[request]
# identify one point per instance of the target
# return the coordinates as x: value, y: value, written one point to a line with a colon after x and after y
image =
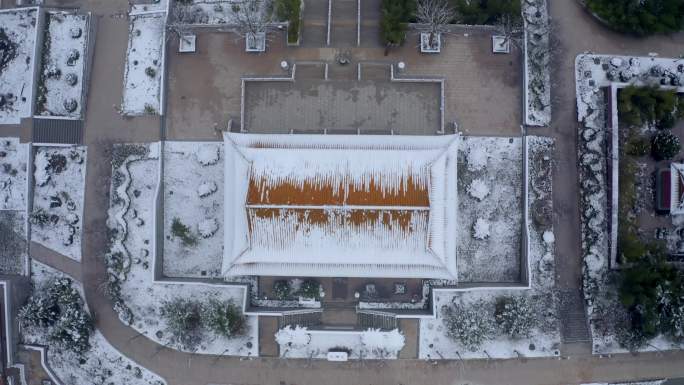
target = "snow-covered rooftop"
x: 677, y: 188
x: 311, y: 205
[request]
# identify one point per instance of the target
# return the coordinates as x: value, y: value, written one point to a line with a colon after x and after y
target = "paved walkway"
x: 56, y: 260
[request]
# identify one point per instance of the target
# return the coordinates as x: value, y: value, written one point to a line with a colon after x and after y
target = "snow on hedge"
x: 537, y: 63
x: 18, y: 37
x: 137, y: 297
x: 484, y: 334
x: 57, y: 215
x: 191, y: 170
x: 299, y: 342
x: 13, y: 161
x: 144, y: 64
x: 490, y: 189
x: 102, y: 363
x: 60, y: 89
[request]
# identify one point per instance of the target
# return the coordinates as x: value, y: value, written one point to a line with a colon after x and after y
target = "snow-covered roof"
x: 326, y: 205
x: 676, y: 188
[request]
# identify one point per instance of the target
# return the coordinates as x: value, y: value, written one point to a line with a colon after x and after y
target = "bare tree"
x: 511, y: 28
x: 178, y: 20
x: 251, y: 18
x: 435, y: 16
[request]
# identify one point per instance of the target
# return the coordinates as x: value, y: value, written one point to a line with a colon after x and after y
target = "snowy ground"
x: 298, y: 342
x: 185, y: 178
x: 132, y: 209
x: 64, y: 56
x: 16, y: 78
x: 144, y: 64
x: 545, y: 337
x: 489, y: 190
x: 210, y: 11
x: 103, y: 363
x: 13, y: 162
x: 592, y: 74
x: 58, y: 199
x: 13, y: 247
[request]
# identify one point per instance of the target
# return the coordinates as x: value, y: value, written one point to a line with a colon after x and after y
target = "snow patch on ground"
x: 66, y: 35
x: 102, y: 364
x: 144, y: 64
x: 135, y: 199
x: 183, y: 172
x: 495, y: 163
x: 298, y: 342
x: 13, y: 162
x: 16, y: 79
x: 58, y: 192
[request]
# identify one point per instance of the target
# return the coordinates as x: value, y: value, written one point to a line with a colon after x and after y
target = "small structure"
x: 501, y: 44
x: 255, y: 42
x: 188, y: 43
x: 428, y: 46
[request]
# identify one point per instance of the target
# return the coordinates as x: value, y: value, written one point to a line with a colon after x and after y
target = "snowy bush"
x: 58, y: 309
x: 515, y: 316
x: 205, y: 189
x: 207, y: 228
x: 471, y: 324
x: 310, y: 289
x: 478, y: 189
x: 295, y: 337
x: 383, y: 343
x: 665, y: 145
x: 181, y: 231
x: 481, y: 229
x: 281, y: 289
x: 223, y: 318
x: 183, y: 322
x: 207, y: 155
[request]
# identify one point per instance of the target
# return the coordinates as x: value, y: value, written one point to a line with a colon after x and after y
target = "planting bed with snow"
x: 13, y: 246
x: 193, y: 197
x: 60, y: 88
x: 209, y: 11
x: 489, y: 209
x: 13, y: 168
x: 540, y: 304
x: 537, y: 62
x: 59, y: 186
x: 102, y: 363
x: 17, y: 48
x: 298, y: 342
x: 593, y: 73
x: 144, y: 64
x: 137, y: 297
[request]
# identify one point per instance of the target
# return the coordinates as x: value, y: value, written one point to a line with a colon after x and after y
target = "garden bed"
x: 13, y: 169
x: 60, y: 88
x: 13, y: 245
x: 490, y: 209
x: 102, y: 363
x: 298, y: 342
x: 193, y: 209
x: 59, y: 184
x: 137, y: 296
x: 18, y: 34
x: 537, y: 63
x: 209, y: 12
x: 543, y: 337
x: 144, y: 64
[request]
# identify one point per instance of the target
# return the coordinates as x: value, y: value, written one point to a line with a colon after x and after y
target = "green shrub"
x: 281, y: 289
x: 179, y: 230
x: 665, y: 145
x: 515, y: 316
x: 289, y: 10
x: 640, y: 17
x: 638, y: 145
x: 395, y: 16
x: 469, y: 324
x: 310, y: 289
x: 639, y: 106
x: 183, y: 321
x: 223, y: 318
x: 479, y: 12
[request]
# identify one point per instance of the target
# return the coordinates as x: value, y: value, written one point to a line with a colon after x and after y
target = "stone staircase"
x: 301, y: 318
x: 573, y: 318
x: 376, y: 320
